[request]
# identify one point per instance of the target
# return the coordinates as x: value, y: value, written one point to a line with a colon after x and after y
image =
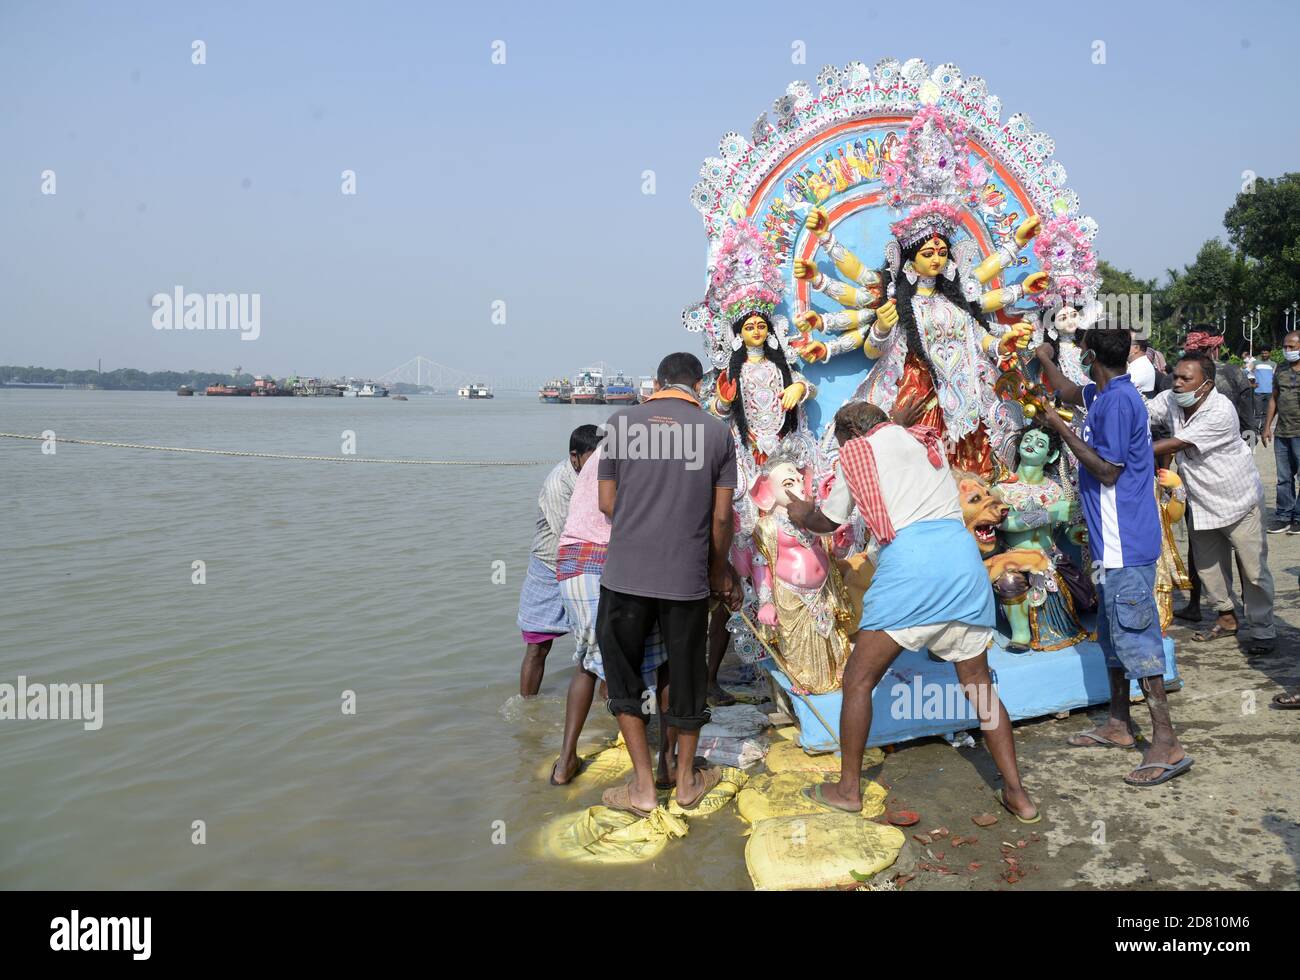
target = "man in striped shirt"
x: 1227, y: 497
x: 1117, y: 490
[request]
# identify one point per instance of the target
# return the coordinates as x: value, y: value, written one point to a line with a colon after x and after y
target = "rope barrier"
x: 240, y: 452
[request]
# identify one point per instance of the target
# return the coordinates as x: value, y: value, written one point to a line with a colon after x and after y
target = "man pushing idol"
x: 930, y: 589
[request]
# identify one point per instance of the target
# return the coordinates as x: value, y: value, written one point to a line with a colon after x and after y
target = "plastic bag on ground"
x: 739, y: 752
x: 715, y: 799
x: 821, y: 851
x: 767, y: 796
x: 601, y: 835
x: 734, y: 721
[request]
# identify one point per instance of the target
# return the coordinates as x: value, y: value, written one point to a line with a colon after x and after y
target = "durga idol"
x: 930, y: 340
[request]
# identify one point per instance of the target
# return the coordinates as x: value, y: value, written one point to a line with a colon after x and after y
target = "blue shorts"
x: 1128, y: 622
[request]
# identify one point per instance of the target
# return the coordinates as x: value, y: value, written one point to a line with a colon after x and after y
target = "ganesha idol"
x: 804, y: 607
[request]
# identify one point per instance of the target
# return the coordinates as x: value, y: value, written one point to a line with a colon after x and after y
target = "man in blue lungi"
x: 930, y: 589
x: 541, y: 611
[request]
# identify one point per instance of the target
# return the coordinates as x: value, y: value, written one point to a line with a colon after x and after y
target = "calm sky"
x: 522, y: 183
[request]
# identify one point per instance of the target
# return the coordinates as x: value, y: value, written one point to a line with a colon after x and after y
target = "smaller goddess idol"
x: 757, y: 392
x: 804, y: 606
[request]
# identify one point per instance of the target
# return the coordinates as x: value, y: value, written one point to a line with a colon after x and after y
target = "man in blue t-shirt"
x: 1117, y: 489
x: 1262, y: 371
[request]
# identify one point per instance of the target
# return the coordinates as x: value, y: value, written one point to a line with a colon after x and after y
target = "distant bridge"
x: 422, y: 371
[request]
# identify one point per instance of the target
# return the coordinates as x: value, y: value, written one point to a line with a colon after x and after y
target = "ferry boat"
x: 549, y: 393
x: 647, y: 387
x: 477, y: 390
x: 185, y: 391
x: 589, y: 389
x: 225, y: 389
x: 620, y: 391
x: 365, y: 389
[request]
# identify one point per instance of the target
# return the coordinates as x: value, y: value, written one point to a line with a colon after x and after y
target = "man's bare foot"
x: 1167, y: 752
x: 1113, y: 732
x: 665, y: 774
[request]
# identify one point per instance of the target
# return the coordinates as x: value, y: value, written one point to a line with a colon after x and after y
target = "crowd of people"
x: 632, y: 554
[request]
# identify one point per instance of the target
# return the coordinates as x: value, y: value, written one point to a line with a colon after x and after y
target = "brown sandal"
x: 1215, y: 632
x: 620, y: 798
x: 711, y: 777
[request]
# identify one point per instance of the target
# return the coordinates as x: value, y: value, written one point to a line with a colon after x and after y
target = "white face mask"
x: 1291, y: 355
x: 1186, y: 399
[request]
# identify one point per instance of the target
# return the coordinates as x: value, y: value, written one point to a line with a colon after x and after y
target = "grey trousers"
x: 1213, y: 549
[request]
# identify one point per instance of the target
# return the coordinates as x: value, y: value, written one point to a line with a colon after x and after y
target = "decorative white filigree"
x: 856, y: 92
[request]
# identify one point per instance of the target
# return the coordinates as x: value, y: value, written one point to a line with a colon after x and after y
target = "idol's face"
x: 787, y: 483
x: 1035, y: 448
x: 932, y: 258
x: 754, y: 331
x: 1066, y: 320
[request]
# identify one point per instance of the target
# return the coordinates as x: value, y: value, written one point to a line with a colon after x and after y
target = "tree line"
x: 122, y: 379
x: 1258, y: 266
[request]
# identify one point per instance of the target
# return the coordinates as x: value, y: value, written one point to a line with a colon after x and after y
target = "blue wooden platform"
x: 919, y: 697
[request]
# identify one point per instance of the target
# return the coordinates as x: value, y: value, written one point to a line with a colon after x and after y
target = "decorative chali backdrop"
x: 828, y: 148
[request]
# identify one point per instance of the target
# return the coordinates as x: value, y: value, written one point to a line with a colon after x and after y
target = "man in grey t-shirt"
x: 667, y: 474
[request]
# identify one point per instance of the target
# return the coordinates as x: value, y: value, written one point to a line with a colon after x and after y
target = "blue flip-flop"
x: 1100, y: 741
x: 1170, y: 771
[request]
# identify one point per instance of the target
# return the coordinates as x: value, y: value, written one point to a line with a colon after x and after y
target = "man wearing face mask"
x: 1284, y: 410
x: 1116, y: 484
x: 1225, y: 492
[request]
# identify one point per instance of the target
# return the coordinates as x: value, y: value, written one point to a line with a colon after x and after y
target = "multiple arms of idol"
x: 863, y: 321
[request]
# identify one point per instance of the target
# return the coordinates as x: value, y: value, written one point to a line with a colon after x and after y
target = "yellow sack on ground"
x: 602, y: 763
x: 715, y: 799
x: 789, y: 757
x: 601, y: 835
x: 820, y: 851
x: 781, y: 795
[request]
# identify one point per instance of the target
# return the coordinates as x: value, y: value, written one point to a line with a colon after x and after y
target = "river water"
x: 223, y: 700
